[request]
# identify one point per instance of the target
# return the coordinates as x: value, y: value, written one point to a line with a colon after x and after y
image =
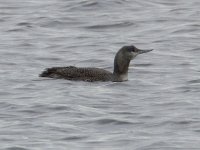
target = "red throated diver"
x: 120, y: 73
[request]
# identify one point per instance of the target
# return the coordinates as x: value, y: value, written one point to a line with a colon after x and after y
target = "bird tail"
x: 47, y: 72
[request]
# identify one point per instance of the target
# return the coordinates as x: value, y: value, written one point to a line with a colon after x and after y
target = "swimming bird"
x: 120, y: 73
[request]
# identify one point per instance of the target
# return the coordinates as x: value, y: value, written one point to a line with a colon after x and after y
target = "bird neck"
x: 121, y: 68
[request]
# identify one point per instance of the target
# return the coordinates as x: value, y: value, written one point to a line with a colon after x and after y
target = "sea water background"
x: 157, y: 109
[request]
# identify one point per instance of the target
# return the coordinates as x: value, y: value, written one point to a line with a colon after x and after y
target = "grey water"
x: 158, y: 108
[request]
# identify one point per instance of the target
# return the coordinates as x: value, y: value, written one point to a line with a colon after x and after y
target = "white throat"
x: 124, y: 77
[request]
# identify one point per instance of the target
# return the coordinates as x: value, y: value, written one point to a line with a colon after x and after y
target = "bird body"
x: 77, y: 73
x: 120, y: 73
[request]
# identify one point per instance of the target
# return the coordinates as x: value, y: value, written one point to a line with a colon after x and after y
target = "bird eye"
x: 133, y: 49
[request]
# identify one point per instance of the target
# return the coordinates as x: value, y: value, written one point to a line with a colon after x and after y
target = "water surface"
x: 158, y: 108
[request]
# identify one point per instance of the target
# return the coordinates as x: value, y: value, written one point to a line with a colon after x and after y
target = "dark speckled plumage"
x: 74, y: 73
x: 120, y: 73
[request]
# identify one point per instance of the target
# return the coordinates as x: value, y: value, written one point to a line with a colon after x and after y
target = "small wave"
x: 73, y: 138
x: 96, y: 4
x: 178, y: 9
x: 58, y: 108
x: 92, y: 61
x: 54, y: 23
x: 89, y: 3
x: 166, y: 3
x: 15, y: 30
x: 183, y: 122
x: 179, y: 122
x: 2, y: 20
x: 24, y: 24
x: 194, y: 81
x: 143, y: 65
x: 5, y: 104
x: 27, y: 111
x: 114, y: 25
x: 9, y: 63
x: 113, y: 121
x: 20, y: 27
x: 48, y: 58
x: 184, y: 30
x: 198, y: 130
x: 195, y: 49
x: 16, y: 148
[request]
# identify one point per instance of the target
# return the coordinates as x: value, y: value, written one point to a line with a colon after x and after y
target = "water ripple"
x: 112, y: 121
x: 111, y: 26
x: 16, y: 148
x: 157, y: 108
